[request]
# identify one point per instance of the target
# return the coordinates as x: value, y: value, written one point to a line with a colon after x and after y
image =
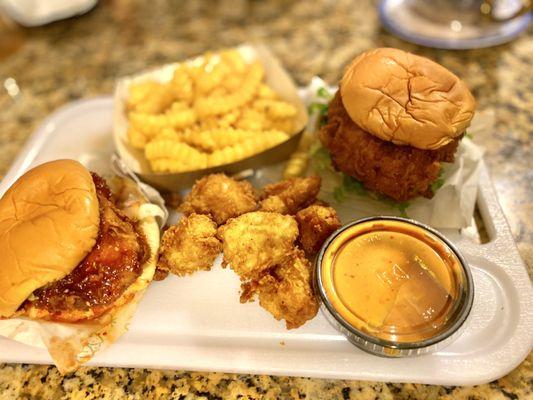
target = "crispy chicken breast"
x: 400, y: 172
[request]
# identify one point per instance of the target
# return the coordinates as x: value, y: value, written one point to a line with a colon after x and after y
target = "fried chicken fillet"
x: 291, y: 195
x: 189, y: 246
x: 221, y: 197
x: 94, y: 286
x: 286, y: 291
x: 257, y: 241
x: 400, y: 172
x: 315, y: 224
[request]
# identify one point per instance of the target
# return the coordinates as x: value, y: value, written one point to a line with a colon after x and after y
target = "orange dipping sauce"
x: 392, y: 280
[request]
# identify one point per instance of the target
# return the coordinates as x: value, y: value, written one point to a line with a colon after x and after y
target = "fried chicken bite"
x: 189, y: 246
x: 160, y: 274
x: 257, y: 241
x: 291, y: 195
x: 400, y: 172
x: 221, y: 197
x: 315, y: 224
x: 286, y: 291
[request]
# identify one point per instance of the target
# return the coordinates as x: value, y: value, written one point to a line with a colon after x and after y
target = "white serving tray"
x: 197, y: 322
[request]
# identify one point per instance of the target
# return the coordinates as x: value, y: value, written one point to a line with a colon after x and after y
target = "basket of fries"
x: 226, y: 111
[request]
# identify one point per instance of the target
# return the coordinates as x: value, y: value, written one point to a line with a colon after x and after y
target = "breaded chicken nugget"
x: 160, y: 274
x: 315, y: 224
x: 286, y: 291
x: 291, y: 195
x: 257, y: 241
x: 189, y: 246
x: 221, y: 197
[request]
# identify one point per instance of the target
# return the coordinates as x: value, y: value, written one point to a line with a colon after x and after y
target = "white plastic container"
x: 197, y: 322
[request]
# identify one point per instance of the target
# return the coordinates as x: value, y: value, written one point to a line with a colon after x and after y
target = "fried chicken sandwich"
x: 395, y: 118
x: 72, y: 250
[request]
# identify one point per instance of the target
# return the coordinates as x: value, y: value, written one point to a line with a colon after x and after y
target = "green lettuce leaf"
x: 437, y: 183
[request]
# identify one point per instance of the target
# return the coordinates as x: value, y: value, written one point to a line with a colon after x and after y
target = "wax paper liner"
x: 71, y: 345
x: 454, y: 201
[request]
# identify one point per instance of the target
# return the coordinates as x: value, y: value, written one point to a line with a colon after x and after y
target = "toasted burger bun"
x: 406, y: 99
x: 49, y: 222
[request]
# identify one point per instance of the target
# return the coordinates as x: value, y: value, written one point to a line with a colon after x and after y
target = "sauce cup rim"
x: 459, y: 318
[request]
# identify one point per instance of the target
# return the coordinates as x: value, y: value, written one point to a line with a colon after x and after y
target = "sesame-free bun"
x: 406, y: 99
x: 49, y: 222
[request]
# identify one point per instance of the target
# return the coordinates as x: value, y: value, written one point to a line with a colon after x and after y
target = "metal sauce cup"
x: 434, y: 329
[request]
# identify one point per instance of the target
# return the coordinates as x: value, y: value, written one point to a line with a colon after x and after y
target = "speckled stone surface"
x: 81, y: 57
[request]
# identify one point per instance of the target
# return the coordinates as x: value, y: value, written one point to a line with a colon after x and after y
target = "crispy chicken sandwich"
x: 72, y: 251
x: 395, y: 118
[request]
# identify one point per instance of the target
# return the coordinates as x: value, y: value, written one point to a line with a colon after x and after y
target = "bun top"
x: 406, y: 99
x: 49, y: 222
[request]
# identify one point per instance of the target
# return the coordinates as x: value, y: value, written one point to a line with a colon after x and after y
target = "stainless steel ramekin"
x: 386, y: 348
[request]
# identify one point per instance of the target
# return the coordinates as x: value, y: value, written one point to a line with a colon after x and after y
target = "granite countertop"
x: 43, y: 68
